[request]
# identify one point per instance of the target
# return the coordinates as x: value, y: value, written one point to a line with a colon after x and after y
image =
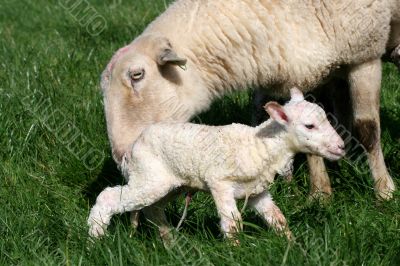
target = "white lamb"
x: 232, y: 162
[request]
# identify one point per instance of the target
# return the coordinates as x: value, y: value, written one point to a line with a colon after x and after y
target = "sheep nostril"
x: 341, y: 146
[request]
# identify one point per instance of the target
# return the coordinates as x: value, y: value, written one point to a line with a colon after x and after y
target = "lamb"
x: 232, y: 162
x: 225, y: 45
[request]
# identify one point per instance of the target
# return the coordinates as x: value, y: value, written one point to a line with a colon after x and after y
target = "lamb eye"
x: 310, y: 126
x: 137, y: 75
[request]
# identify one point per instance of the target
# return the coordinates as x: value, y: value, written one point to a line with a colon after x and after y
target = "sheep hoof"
x: 320, y: 196
x: 384, y: 190
x: 388, y: 195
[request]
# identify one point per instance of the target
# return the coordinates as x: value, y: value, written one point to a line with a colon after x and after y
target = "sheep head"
x: 141, y: 86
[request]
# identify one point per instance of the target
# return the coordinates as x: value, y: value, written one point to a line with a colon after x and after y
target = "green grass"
x: 46, y: 190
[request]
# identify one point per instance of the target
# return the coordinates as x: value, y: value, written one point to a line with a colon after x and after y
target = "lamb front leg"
x: 231, y: 219
x: 109, y: 202
x: 271, y: 214
x: 365, y: 85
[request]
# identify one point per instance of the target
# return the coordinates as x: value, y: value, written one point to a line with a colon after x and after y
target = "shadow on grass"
x: 108, y: 177
x: 227, y: 110
x: 390, y: 121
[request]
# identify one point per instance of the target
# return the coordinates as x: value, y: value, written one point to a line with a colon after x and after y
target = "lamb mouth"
x: 336, y: 155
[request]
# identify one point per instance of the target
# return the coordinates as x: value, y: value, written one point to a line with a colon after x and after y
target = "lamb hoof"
x: 288, y: 178
x: 232, y: 241
x: 235, y: 242
x: 168, y: 238
x: 132, y: 232
x: 289, y: 235
x: 96, y: 230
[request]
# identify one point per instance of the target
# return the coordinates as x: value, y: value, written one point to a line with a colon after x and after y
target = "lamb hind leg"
x: 365, y: 85
x: 156, y: 215
x: 134, y: 218
x: 122, y: 199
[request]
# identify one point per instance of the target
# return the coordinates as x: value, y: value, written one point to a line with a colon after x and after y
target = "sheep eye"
x: 137, y: 75
x: 310, y: 126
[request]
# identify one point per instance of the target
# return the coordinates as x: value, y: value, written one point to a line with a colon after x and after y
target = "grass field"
x: 51, y: 113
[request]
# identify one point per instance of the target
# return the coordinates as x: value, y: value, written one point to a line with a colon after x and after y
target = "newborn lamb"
x: 232, y: 162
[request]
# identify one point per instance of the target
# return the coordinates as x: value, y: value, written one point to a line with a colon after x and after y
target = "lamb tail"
x: 188, y: 198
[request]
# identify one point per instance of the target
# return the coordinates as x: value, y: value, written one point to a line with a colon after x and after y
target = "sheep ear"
x: 277, y: 113
x: 296, y: 95
x: 168, y: 56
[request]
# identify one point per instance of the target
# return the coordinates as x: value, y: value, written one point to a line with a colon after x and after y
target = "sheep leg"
x: 120, y: 199
x: 365, y: 84
x: 320, y: 184
x: 335, y: 97
x: 272, y: 215
x: 230, y: 218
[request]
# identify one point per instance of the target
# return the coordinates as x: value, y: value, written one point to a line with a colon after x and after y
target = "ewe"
x: 237, y: 44
x: 232, y: 162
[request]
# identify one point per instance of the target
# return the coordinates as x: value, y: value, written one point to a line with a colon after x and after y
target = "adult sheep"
x: 225, y: 45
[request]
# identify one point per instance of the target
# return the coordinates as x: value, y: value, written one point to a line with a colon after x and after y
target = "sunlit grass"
x: 46, y: 190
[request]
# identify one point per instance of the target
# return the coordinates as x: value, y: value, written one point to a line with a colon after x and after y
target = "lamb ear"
x: 168, y: 56
x: 296, y: 95
x: 277, y: 113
